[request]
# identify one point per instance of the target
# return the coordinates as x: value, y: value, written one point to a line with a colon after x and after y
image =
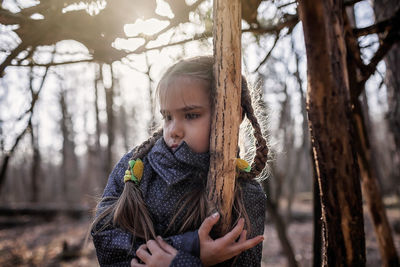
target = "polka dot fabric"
x: 167, y: 177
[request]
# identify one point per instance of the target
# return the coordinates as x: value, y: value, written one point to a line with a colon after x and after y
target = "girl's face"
x: 185, y: 107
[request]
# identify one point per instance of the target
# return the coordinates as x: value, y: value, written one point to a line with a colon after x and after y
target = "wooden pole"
x: 226, y: 115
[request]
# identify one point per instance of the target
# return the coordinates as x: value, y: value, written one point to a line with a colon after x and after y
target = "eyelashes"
x: 192, y: 116
x: 188, y: 116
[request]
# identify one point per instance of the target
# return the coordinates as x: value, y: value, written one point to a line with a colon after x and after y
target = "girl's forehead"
x: 184, y: 91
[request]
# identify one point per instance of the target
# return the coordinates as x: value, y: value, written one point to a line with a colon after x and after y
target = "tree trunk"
x: 110, y: 121
x: 225, y: 123
x: 317, y: 224
x: 370, y: 185
x: 70, y: 162
x: 372, y: 193
x: 152, y: 123
x: 35, y: 167
x: 384, y: 9
x: 331, y: 132
x: 98, y: 84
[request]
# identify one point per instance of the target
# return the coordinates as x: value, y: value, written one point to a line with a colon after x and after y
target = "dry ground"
x: 52, y: 243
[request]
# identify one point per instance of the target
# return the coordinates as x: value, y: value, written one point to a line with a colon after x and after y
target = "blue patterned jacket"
x: 167, y: 176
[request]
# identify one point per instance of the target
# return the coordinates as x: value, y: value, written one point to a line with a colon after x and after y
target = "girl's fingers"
x: 248, y: 244
x: 165, y: 246
x: 135, y: 263
x: 142, y: 253
x: 208, y: 224
x: 153, y: 247
x: 235, y: 233
x: 243, y: 236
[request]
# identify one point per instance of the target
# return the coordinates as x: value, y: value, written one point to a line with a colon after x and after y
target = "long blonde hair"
x: 129, y: 211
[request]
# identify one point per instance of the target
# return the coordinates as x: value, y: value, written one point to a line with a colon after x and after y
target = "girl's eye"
x: 191, y: 116
x: 167, y: 117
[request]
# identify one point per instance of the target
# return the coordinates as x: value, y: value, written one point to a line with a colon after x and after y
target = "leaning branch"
x: 391, y: 38
x: 10, y: 57
x: 52, y: 63
x: 289, y: 22
x: 269, y: 53
x: 379, y: 27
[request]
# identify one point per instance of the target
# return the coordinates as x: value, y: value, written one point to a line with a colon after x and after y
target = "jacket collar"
x: 174, y: 166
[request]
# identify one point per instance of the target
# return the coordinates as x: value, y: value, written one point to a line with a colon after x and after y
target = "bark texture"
x: 369, y: 178
x: 331, y: 132
x: 225, y: 122
x: 385, y: 9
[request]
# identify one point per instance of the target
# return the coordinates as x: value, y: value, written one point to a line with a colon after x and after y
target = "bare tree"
x: 384, y: 10
x: 69, y: 162
x: 330, y: 121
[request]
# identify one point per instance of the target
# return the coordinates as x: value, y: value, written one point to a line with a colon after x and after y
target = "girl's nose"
x: 176, y: 130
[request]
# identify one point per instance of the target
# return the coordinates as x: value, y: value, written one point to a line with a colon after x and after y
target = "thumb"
x: 208, y: 224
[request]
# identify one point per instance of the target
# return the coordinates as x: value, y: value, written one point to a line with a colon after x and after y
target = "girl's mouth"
x: 174, y: 146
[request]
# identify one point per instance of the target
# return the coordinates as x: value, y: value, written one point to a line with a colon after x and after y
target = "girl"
x: 164, y: 189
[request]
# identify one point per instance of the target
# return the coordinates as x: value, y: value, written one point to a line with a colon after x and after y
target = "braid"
x: 130, y: 211
x: 261, y: 154
x: 146, y: 146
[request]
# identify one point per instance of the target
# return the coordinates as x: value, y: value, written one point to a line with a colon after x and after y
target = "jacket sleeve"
x: 188, y: 242
x: 255, y: 203
x: 183, y: 259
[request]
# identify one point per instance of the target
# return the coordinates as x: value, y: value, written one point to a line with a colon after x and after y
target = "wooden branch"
x: 364, y: 71
x: 391, y: 38
x: 53, y: 63
x: 269, y: 53
x: 86, y: 29
x: 10, y: 57
x: 351, y: 2
x: 379, y: 27
x: 289, y: 22
x: 287, y: 4
x: 225, y: 123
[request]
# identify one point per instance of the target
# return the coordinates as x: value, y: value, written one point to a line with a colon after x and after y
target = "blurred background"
x: 77, y: 81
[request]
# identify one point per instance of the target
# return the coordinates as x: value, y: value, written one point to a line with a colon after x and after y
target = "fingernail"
x: 215, y: 215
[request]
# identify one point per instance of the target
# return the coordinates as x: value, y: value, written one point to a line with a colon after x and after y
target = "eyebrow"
x: 185, y: 109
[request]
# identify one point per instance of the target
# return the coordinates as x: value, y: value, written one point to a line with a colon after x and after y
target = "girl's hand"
x: 226, y: 247
x: 155, y: 253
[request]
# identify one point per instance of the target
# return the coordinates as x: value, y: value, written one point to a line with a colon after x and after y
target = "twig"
x: 290, y: 22
x: 10, y: 57
x: 287, y: 4
x: 351, y: 2
x: 379, y: 27
x: 269, y: 53
x: 52, y: 63
x: 391, y: 38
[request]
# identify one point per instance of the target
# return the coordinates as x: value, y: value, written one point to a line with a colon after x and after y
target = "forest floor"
x: 54, y: 243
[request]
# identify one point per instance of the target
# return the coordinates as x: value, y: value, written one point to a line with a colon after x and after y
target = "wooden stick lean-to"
x: 226, y: 116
